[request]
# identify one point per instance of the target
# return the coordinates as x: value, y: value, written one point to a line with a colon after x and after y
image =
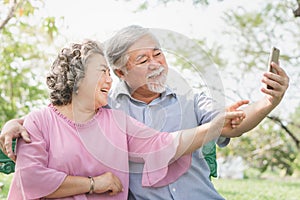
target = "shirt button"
x: 174, y: 189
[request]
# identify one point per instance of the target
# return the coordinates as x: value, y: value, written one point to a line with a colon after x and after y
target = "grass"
x: 245, y: 189
x: 5, y: 179
x: 258, y: 189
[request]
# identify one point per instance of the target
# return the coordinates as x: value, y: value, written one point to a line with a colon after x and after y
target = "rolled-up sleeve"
x: 206, y: 110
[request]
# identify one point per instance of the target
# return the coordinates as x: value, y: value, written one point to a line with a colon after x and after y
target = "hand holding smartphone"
x: 274, y: 57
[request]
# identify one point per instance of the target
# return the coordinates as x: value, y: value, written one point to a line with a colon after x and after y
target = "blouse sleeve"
x: 32, y: 175
x: 157, y: 150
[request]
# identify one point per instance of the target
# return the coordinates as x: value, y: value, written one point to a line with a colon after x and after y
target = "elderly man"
x: 137, y: 59
x: 135, y: 56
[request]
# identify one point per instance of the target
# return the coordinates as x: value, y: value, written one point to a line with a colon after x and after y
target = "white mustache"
x: 156, y: 72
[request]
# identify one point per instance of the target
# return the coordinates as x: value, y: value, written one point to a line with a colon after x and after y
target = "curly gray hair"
x: 117, y: 46
x: 68, y: 69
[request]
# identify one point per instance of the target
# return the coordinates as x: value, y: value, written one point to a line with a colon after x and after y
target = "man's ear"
x: 119, y: 73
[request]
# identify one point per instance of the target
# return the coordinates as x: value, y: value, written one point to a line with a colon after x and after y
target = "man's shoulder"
x: 119, y: 89
x: 200, y: 95
x: 192, y: 96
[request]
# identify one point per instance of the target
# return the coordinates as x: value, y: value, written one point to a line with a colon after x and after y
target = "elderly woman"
x: 80, y: 150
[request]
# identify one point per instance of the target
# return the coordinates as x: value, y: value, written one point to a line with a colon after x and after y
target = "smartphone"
x: 274, y: 57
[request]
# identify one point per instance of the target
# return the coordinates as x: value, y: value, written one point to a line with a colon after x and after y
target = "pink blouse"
x: 106, y: 143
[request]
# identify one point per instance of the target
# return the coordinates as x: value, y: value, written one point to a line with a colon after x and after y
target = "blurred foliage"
x: 268, y: 147
x: 254, y: 32
x: 146, y: 4
x: 275, y: 143
x: 22, y: 57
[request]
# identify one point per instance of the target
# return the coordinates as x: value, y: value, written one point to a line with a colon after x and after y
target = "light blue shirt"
x: 171, y: 112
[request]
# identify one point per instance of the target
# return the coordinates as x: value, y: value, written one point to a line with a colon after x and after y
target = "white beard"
x: 157, y: 86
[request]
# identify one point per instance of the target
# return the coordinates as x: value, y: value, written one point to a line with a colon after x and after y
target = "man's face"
x: 146, y: 67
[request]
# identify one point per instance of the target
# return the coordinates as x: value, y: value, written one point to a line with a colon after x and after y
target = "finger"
x: 8, y: 146
x: 233, y: 126
x: 238, y: 104
x: 12, y: 157
x: 275, y: 66
x: 234, y: 114
x: 278, y: 69
x: 2, y: 143
x: 272, y: 92
x: 25, y: 136
x: 3, y: 148
x: 283, y: 76
x: 116, y: 186
x: 280, y: 77
x: 114, y: 190
x: 272, y: 80
x: 119, y: 185
x: 10, y: 153
x: 237, y: 121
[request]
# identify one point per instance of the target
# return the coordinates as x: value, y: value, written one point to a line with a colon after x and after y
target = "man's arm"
x: 257, y: 111
x: 224, y: 123
x: 11, y: 130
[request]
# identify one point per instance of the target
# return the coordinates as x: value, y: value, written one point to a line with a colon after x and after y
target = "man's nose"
x: 153, y: 65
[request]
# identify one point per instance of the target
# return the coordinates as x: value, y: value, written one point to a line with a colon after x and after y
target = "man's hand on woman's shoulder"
x: 11, y: 130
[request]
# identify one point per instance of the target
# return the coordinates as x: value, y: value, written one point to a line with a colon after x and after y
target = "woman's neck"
x: 76, y: 112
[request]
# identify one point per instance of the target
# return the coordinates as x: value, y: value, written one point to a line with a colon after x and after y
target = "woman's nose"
x: 108, y: 77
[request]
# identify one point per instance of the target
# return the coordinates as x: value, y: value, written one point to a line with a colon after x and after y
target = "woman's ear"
x: 119, y: 73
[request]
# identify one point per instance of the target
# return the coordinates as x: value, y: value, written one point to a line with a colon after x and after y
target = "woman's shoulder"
x: 38, y: 120
x: 39, y: 117
x: 38, y: 113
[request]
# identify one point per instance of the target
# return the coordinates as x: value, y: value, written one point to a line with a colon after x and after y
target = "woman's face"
x: 97, y: 81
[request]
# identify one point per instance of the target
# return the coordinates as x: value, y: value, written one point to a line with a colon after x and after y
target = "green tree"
x: 275, y: 143
x: 146, y: 4
x: 23, y: 39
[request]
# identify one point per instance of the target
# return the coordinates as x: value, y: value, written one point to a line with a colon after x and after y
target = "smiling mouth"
x: 156, y: 73
x: 104, y: 90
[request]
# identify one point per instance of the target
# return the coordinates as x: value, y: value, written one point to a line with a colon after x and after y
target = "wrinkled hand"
x: 279, y: 82
x: 11, y: 130
x: 231, y: 120
x: 108, y: 182
x: 227, y: 121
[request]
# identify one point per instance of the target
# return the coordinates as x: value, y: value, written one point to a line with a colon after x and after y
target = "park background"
x: 236, y: 36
